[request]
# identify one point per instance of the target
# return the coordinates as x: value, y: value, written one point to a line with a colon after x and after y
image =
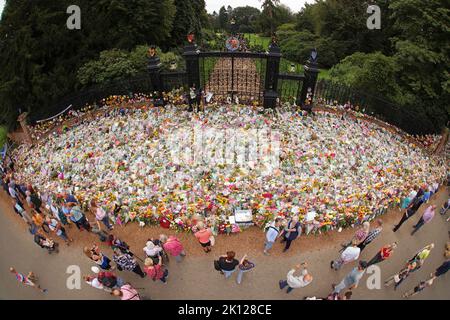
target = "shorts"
x: 204, y: 245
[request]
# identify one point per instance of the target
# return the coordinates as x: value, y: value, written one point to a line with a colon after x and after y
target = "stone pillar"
x: 309, y: 84
x: 22, y: 119
x: 272, y: 73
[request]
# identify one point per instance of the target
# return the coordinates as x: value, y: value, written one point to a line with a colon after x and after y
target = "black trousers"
x: 408, y: 214
x: 288, y: 242
x: 376, y: 259
x: 139, y: 271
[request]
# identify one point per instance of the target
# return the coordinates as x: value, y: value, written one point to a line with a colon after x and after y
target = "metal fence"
x: 378, y: 107
x: 289, y: 87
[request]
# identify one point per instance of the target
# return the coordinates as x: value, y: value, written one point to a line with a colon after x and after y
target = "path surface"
x: 195, y: 277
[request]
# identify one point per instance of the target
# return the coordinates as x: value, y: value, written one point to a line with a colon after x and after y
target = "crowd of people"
x: 334, y: 172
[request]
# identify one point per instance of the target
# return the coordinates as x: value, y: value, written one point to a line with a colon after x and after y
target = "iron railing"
x: 376, y: 106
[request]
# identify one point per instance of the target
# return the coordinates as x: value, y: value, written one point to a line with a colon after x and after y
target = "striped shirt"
x: 372, y: 235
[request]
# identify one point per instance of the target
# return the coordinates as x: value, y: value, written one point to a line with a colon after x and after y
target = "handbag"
x: 212, y: 240
x: 217, y: 266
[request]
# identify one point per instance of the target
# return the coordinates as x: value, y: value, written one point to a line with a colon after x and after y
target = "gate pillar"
x: 154, y: 69
x: 191, y: 55
x: 310, y: 82
x: 272, y: 73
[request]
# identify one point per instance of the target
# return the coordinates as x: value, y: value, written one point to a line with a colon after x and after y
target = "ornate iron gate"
x: 233, y: 75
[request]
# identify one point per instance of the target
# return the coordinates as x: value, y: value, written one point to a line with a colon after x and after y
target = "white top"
x: 151, y: 250
x: 350, y: 254
x: 95, y: 283
x: 297, y: 282
x: 272, y: 233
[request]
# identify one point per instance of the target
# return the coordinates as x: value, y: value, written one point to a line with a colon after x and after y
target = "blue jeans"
x: 228, y: 273
x: 240, y: 274
x: 105, y: 221
x: 418, y: 226
x: 284, y: 284
x: 268, y: 245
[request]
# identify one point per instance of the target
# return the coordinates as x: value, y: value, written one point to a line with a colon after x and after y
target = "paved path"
x: 195, y: 277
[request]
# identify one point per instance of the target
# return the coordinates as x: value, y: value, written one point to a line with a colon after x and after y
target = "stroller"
x: 46, y: 243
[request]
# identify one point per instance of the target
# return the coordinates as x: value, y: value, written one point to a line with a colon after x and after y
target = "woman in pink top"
x: 126, y: 292
x: 172, y: 246
x: 204, y: 236
x: 100, y: 215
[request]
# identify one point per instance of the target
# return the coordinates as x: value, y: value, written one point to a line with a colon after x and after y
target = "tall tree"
x: 268, y: 7
x: 223, y: 18
x: 423, y: 54
x: 39, y: 56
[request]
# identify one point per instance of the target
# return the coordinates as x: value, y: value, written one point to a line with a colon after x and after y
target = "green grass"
x: 256, y: 39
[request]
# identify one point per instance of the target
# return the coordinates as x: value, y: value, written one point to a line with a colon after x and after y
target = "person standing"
x: 21, y: 211
x: 422, y: 285
x: 228, y: 264
x: 422, y: 255
x: 427, y: 216
x: 384, y: 254
x: 291, y: 232
x: 349, y: 255
x: 39, y: 221
x: 110, y: 280
x: 360, y: 235
x: 172, y: 246
x: 29, y: 280
x: 156, y: 271
x: 78, y: 217
x: 100, y: 215
x: 203, y: 236
x: 55, y: 226
x: 271, y: 235
x: 152, y: 251
x: 293, y: 282
x: 126, y: 262
x: 443, y: 268
x: 372, y: 235
x: 411, y: 209
x: 399, y: 277
x: 244, y: 266
x: 352, y: 279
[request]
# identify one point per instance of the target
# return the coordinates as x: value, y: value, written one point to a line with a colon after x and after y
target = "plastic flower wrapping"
x: 169, y: 167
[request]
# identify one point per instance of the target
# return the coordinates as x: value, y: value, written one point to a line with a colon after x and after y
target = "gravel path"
x: 195, y: 277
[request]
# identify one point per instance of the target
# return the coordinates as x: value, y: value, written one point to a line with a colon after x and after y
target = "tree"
x: 190, y: 17
x: 245, y: 18
x: 39, y: 56
x: 223, y: 18
x: 422, y: 53
x: 268, y: 7
x: 120, y: 64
